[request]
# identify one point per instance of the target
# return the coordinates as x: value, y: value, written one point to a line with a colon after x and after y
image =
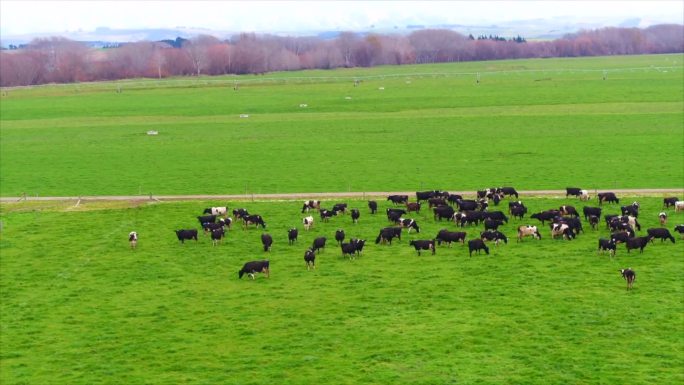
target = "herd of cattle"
x: 564, y: 222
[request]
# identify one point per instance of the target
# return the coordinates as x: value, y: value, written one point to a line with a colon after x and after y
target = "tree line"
x: 60, y: 60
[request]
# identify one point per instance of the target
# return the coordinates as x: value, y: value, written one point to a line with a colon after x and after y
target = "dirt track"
x: 294, y: 196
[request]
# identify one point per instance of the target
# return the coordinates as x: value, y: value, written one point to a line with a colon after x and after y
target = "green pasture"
x: 80, y: 307
x: 533, y: 124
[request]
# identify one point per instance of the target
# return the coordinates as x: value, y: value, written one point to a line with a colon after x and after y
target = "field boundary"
x: 317, y: 195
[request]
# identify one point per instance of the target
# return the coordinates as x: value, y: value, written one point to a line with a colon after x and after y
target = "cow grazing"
x: 637, y: 243
x: 447, y: 237
x: 466, y: 205
x: 133, y: 239
x: 593, y: 221
x: 387, y: 234
x: 524, y: 231
x: 206, y: 219
x: 629, y: 275
x: 184, y: 235
x: 215, y: 210
x: 355, y: 214
x: 477, y: 244
x: 434, y: 202
x: 254, y: 267
x: 442, y: 212
x: 373, y: 206
x: 217, y: 236
x: 311, y: 204
x: 607, y: 245
x: 667, y: 202
x: 255, y: 220
x: 563, y: 230
x: 569, y: 211
x: 267, y: 241
x: 662, y: 217
x: 508, y: 191
x: 398, y: 199
x: 492, y: 224
x: 591, y: 211
x: 310, y: 259
x: 340, y: 207
x: 318, y: 244
x: 409, y: 224
x: 240, y: 213
x: 660, y: 233
x: 573, y: 191
x: 545, y: 215
x: 496, y: 215
x: 423, y: 244
x: 308, y: 222
x: 679, y: 206
x: 339, y: 236
x: 327, y: 214
x: 608, y: 197
x: 513, y: 204
x: 621, y: 236
x: 413, y: 206
x: 494, y: 235
x: 574, y: 223
x: 393, y: 215
x: 453, y: 198
x: 292, y: 236
x: 680, y: 230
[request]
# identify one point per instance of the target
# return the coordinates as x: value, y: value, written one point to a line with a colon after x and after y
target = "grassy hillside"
x: 80, y: 307
x: 532, y: 123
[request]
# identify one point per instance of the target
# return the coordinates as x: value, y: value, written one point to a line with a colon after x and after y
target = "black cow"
x: 680, y: 230
x: 608, y: 245
x: 568, y: 210
x: 240, y: 213
x: 591, y: 211
x: 482, y: 204
x: 393, y: 215
x: 255, y: 220
x: 518, y: 211
x: 660, y: 233
x: 607, y: 197
x: 629, y: 275
x: 609, y: 219
x: 442, y: 212
x: 632, y: 210
x: 318, y: 243
x: 424, y: 195
x: 355, y: 214
x: 253, y: 267
x: 398, y: 199
x: 492, y: 224
x: 267, y: 241
x: 513, y: 204
x: 434, y: 202
x: 292, y: 235
x: 471, y: 217
x: 308, y: 205
x: 496, y: 215
x: 216, y: 236
x: 340, y: 207
x: 493, y: 235
x: 573, y: 191
x: 409, y: 224
x: 637, y: 243
x: 447, y: 236
x: 507, y: 191
x: 327, y: 214
x: 477, y: 245
x: 373, y: 206
x: 423, y: 244
x: 355, y: 246
x: 206, y: 219
x: 310, y: 259
x: 339, y: 236
x: 387, y: 234
x: 545, y: 215
x: 466, y: 205
x: 413, y: 206
x: 621, y: 236
x: 593, y: 221
x: 209, y: 227
x: 359, y: 244
x: 453, y: 198
x: 667, y: 202
x: 184, y: 235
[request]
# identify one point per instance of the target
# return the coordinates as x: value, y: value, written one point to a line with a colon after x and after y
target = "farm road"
x: 325, y: 195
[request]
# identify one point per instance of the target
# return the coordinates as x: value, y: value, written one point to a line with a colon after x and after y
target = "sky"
x: 26, y: 16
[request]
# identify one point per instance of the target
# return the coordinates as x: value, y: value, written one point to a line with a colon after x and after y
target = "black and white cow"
x: 573, y: 191
x: 568, y: 210
x: 133, y: 239
x: 217, y: 236
x: 398, y: 199
x: 607, y: 197
x: 393, y: 215
x: 507, y: 191
x: 308, y: 222
x: 471, y: 217
x: 355, y: 215
x: 492, y: 224
x: 524, y: 231
x: 310, y: 259
x: 442, y: 212
x: 292, y: 235
x: 311, y: 204
x: 477, y: 244
x: 563, y: 230
x: 621, y: 236
x: 184, y: 235
x: 318, y: 244
x: 607, y: 245
x: 339, y: 236
x: 387, y: 234
x: 373, y: 206
x: 637, y: 243
x: 596, y: 211
x: 267, y: 241
x: 667, y: 202
x: 409, y: 224
x: 629, y: 275
x: 662, y: 217
x: 660, y: 233
x: 354, y: 247
x: 327, y: 214
x: 680, y: 230
x: 447, y: 236
x: 215, y: 210
x: 632, y: 209
x: 206, y: 219
x: 593, y: 221
x: 340, y: 207
x: 518, y: 211
x: 494, y: 235
x: 240, y: 213
x: 209, y: 227
x: 254, y: 267
x: 255, y: 220
x: 423, y: 244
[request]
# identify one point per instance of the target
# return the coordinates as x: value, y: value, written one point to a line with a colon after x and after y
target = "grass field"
x: 80, y: 307
x: 534, y: 124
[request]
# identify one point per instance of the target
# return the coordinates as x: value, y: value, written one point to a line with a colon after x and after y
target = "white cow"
x: 679, y: 206
x: 133, y: 239
x: 308, y: 222
x: 524, y: 231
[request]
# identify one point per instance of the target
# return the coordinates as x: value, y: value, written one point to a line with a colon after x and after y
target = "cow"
x: 621, y: 236
x: 667, y: 202
x: 398, y: 199
x: 680, y: 230
x: 387, y: 234
x: 267, y: 241
x: 607, y: 245
x: 310, y: 259
x: 255, y: 220
x: 471, y: 217
x: 477, y: 244
x: 637, y: 243
x: 545, y: 215
x: 240, y: 213
x: 492, y: 224
x: 587, y: 210
x: 660, y: 233
x: 563, y: 230
x: 354, y: 247
x: 339, y: 236
x: 632, y: 209
x: 447, y: 236
x: 424, y: 195
x: 359, y: 244
x: 607, y: 197
x: 662, y: 217
x: 507, y: 191
x: 254, y: 267
x: 308, y: 222
x: 409, y: 224
x: 466, y: 205
x: 494, y: 235
x: 327, y: 214
x: 453, y: 198
x: 215, y: 210
x: 679, y: 206
x: 340, y: 207
x: 496, y: 198
x: 482, y: 205
x: 513, y: 204
x: 497, y: 215
x: 373, y: 206
x: 217, y: 235
x: 209, y: 227
x: 318, y: 244
x: 518, y: 211
x: 574, y: 223
x: 133, y: 239
x: 393, y: 215
x: 584, y: 195
x: 206, y: 219
x: 609, y: 218
x: 355, y: 214
x: 227, y: 222
x: 569, y: 211
x: 593, y: 221
x: 573, y: 191
x: 442, y: 212
x: 629, y: 275
x: 413, y: 206
x: 292, y: 236
x: 311, y: 204
x: 434, y: 202
x: 423, y: 244
x: 524, y: 231
x: 184, y: 235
